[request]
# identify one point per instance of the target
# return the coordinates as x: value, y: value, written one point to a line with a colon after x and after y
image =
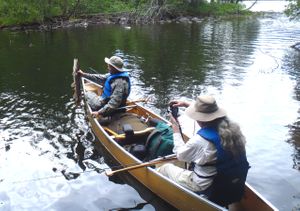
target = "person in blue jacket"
x: 216, y: 151
x: 116, y: 88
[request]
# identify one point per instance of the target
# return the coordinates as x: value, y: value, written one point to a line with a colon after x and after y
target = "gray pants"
x: 94, y: 100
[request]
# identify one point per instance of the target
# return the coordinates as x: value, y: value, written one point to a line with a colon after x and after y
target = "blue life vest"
x: 107, y: 90
x: 229, y: 183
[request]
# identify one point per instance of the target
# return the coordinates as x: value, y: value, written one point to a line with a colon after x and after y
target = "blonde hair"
x: 231, y: 136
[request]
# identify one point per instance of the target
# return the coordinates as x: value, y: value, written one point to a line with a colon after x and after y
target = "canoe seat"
x: 128, y: 128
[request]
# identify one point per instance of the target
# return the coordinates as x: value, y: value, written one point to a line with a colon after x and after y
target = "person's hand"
x: 80, y: 73
x: 96, y: 114
x: 178, y: 103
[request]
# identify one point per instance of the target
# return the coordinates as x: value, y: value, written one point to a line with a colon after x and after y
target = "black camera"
x: 174, y: 111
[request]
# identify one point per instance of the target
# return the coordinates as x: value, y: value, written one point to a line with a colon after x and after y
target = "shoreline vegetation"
x: 21, y: 15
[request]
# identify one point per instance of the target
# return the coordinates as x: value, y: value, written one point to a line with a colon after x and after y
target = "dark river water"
x: 46, y: 148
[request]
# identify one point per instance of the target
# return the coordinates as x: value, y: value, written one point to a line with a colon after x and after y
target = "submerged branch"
x: 252, y: 5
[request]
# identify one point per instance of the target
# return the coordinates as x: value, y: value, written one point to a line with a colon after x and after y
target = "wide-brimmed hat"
x: 205, y: 109
x: 116, y: 62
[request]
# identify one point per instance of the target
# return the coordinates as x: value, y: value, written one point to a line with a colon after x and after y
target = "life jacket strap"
x: 205, y: 177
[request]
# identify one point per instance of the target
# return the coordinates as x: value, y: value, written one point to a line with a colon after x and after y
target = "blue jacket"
x: 107, y: 90
x: 229, y: 183
x: 225, y: 159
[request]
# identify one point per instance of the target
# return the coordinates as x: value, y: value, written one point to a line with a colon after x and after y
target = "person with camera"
x: 116, y: 88
x: 218, y: 147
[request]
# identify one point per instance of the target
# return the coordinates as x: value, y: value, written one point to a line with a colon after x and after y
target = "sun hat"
x: 205, y: 109
x: 116, y: 62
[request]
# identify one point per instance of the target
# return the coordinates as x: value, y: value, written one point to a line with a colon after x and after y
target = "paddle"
x: 149, y: 163
x: 142, y: 100
x: 127, y: 107
x: 76, y: 83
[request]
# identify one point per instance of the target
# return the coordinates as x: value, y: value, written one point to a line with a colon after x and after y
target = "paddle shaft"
x: 149, y: 163
x: 76, y: 79
x: 143, y: 100
x: 180, y: 130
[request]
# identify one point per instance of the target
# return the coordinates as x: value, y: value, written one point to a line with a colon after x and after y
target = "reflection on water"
x: 47, y: 159
x: 295, y: 141
x: 47, y: 155
x: 292, y: 60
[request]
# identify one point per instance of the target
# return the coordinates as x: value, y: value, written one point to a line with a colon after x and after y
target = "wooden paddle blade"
x: 76, y: 81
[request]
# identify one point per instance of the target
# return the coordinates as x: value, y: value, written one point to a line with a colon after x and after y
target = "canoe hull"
x: 169, y: 191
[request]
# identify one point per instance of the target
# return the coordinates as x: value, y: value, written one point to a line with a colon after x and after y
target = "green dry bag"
x: 160, y: 141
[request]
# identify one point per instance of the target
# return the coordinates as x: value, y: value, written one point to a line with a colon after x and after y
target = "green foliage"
x: 293, y: 9
x: 104, y: 6
x: 217, y: 9
x: 19, y: 11
x: 29, y: 11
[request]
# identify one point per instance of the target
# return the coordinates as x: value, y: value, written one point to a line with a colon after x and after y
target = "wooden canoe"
x: 174, y: 194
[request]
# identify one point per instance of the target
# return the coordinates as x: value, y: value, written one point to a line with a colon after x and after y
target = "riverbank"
x: 125, y: 19
x: 53, y: 16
